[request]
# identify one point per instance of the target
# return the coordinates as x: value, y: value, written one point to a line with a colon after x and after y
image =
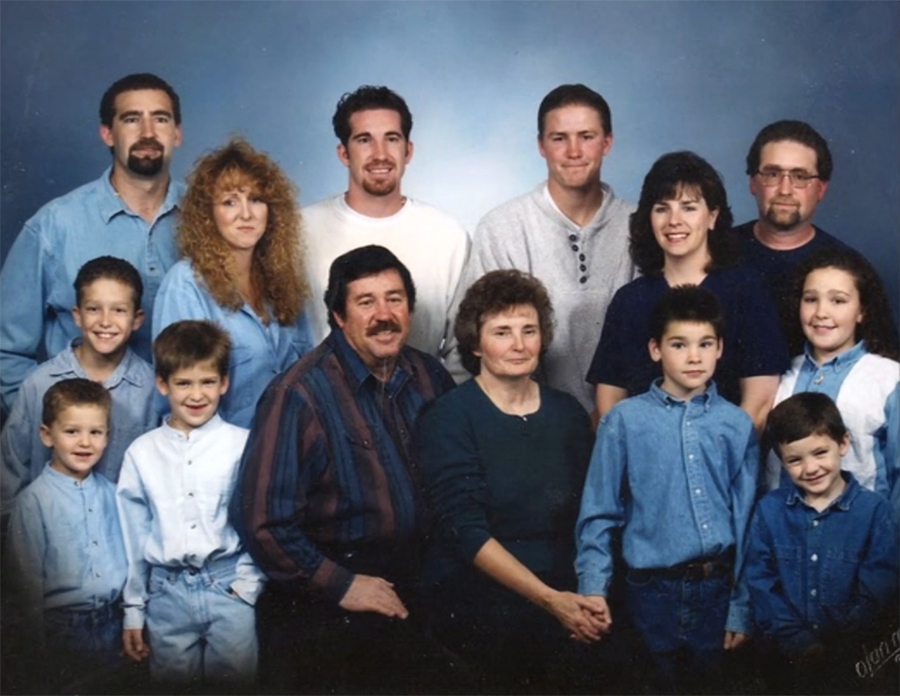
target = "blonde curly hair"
x: 277, y: 268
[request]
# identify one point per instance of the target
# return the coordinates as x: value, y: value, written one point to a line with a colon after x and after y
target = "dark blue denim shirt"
x: 813, y: 575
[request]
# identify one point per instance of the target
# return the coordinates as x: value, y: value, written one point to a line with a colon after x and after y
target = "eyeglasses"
x: 798, y: 177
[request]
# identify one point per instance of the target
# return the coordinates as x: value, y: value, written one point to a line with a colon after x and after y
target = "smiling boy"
x: 675, y: 469
x: 108, y: 294
x: 191, y: 590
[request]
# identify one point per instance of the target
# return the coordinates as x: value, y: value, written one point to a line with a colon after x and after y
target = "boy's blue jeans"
x: 85, y: 646
x: 682, y: 623
x: 199, y: 631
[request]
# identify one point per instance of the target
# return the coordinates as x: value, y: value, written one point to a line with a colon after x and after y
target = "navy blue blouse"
x: 754, y: 344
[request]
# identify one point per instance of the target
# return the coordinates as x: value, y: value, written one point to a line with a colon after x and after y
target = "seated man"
x: 329, y: 502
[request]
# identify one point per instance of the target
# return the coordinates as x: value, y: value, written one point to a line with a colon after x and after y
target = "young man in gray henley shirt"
x: 571, y: 232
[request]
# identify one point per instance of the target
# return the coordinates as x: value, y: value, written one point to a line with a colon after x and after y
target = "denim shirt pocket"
x: 789, y: 559
x: 238, y: 396
x: 839, y: 575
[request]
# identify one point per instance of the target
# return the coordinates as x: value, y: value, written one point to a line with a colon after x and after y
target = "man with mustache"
x: 329, y: 502
x: 373, y: 125
x: 128, y: 213
x: 789, y: 165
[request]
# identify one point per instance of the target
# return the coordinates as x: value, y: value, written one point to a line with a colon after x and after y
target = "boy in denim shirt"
x: 675, y: 469
x: 108, y: 294
x: 191, y: 589
x: 67, y: 561
x: 823, y: 560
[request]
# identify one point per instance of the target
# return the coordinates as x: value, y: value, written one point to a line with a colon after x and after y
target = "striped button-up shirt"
x: 330, y: 462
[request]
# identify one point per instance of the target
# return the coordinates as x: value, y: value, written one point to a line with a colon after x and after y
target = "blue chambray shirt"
x: 815, y: 574
x: 132, y: 389
x: 258, y: 351
x: 65, y: 543
x: 680, y: 478
x: 37, y: 277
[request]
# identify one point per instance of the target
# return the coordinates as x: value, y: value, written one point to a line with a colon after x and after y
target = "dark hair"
x: 131, y: 83
x: 667, y: 178
x: 109, y: 268
x: 360, y: 263
x: 76, y: 391
x: 493, y: 293
x: 686, y: 303
x: 803, y: 415
x: 190, y: 342
x: 574, y: 95
x: 876, y: 329
x: 366, y: 98
x: 795, y: 131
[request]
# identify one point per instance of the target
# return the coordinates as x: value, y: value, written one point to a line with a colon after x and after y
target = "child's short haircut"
x: 109, y: 268
x: 686, y: 303
x: 73, y: 392
x: 803, y: 415
x: 187, y: 343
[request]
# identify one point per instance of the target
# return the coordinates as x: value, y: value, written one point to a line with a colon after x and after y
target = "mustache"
x: 385, y: 325
x: 146, y: 144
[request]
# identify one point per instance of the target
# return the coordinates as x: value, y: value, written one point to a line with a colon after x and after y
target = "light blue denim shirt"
x: 37, y: 278
x: 680, y: 478
x: 23, y: 454
x: 65, y: 543
x: 259, y: 351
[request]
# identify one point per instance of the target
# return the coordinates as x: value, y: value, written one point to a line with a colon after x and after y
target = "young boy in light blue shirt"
x: 675, y: 469
x: 191, y: 589
x: 108, y: 293
x: 67, y: 560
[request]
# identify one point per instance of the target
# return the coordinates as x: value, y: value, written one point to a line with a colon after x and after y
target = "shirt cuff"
x: 738, y: 620
x: 332, y: 579
x: 134, y: 618
x: 593, y: 585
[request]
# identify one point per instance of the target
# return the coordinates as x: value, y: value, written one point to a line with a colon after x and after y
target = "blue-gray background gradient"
x: 703, y: 76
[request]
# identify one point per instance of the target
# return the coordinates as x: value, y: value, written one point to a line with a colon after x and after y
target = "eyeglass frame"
x: 791, y: 174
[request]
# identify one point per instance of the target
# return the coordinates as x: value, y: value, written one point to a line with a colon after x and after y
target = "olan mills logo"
x: 876, y: 658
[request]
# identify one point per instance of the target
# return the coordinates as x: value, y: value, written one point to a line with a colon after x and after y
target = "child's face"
x: 107, y: 317
x: 688, y: 351
x: 814, y: 464
x: 830, y: 311
x: 194, y: 394
x: 77, y: 437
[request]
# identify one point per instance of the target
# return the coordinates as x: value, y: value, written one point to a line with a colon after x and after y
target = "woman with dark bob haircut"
x: 503, y: 462
x: 240, y: 236
x: 681, y: 234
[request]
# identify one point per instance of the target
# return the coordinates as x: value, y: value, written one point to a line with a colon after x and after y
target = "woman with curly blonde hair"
x: 242, y: 267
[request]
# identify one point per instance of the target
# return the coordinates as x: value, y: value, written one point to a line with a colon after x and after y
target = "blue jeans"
x: 85, y: 646
x: 200, y: 631
x: 682, y: 623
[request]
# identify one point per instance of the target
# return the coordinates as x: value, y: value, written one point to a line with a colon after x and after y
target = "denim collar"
x: 125, y: 370
x: 839, y: 363
x: 358, y: 373
x: 666, y: 399
x: 842, y: 502
x: 111, y: 204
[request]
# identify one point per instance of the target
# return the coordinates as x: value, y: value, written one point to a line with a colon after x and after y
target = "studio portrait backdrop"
x: 704, y: 76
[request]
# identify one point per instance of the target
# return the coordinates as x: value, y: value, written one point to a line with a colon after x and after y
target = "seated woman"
x: 240, y: 234
x: 503, y: 461
x: 681, y: 234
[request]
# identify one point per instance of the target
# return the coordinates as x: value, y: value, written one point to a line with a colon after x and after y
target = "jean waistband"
x: 694, y: 569
x: 212, y: 567
x: 104, y: 612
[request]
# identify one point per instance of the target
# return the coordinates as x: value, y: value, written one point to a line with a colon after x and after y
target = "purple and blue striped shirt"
x: 330, y: 463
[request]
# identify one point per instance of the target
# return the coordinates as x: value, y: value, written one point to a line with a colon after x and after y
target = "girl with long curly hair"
x: 680, y: 234
x: 851, y: 356
x: 241, y: 242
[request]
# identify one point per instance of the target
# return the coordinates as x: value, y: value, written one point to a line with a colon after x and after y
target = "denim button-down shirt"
x: 815, y: 574
x: 65, y: 544
x: 680, y: 478
x: 259, y: 351
x: 37, y: 279
x: 132, y: 390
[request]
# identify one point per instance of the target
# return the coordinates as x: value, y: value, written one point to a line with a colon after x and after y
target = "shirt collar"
x: 60, y: 480
x: 111, y: 204
x: 358, y: 373
x: 842, y: 502
x: 667, y: 399
x: 839, y: 363
x: 209, y: 426
x: 126, y: 370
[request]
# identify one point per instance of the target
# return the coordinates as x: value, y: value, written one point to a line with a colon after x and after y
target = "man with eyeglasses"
x: 789, y: 165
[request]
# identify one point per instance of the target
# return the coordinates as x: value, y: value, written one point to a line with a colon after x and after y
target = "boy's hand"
x: 134, y: 645
x: 734, y: 640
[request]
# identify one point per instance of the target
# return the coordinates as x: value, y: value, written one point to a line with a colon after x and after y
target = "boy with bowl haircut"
x: 675, y: 469
x: 66, y: 557
x: 824, y: 555
x: 108, y: 294
x: 190, y: 584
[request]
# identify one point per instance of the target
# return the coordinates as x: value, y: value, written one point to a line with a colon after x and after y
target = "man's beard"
x: 379, y: 188
x: 780, y: 222
x: 146, y: 166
